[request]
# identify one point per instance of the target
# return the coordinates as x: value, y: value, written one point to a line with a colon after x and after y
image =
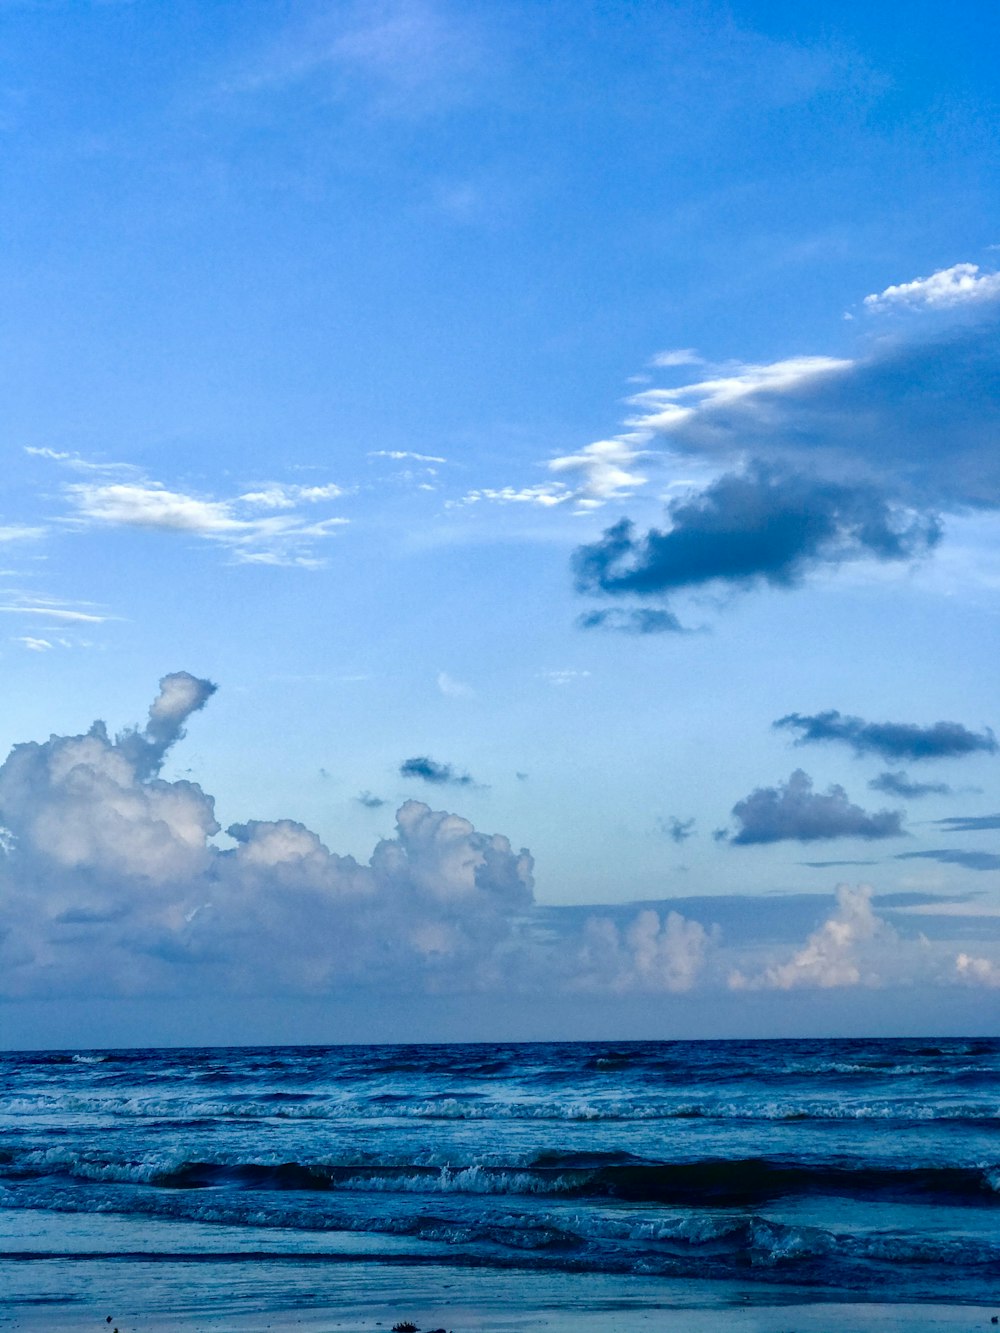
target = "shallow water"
x: 848, y: 1168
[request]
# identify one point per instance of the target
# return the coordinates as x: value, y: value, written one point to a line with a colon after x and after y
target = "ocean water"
x: 854, y: 1169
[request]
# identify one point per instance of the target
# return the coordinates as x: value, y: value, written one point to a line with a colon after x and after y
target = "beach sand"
x: 61, y: 1296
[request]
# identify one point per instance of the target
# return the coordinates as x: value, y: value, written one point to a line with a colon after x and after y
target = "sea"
x: 851, y: 1170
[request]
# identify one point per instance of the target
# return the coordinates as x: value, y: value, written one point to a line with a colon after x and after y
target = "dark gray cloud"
x: 429, y: 770
x: 899, y: 784
x: 369, y: 801
x: 678, y: 830
x: 744, y: 529
x: 918, y: 417
x: 890, y: 740
x: 823, y: 865
x: 637, y: 620
x: 951, y: 857
x: 969, y: 823
x: 794, y: 811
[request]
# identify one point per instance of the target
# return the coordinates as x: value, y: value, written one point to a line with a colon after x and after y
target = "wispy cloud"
x: 564, y: 676
x: 679, y: 356
x: 77, y: 463
x: 663, y: 409
x: 19, y: 532
x: 452, y: 688
x: 285, y: 538
x: 53, y: 610
x: 951, y: 856
x: 404, y: 455
x: 396, y: 57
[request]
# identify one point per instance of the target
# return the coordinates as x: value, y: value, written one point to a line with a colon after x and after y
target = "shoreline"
x: 224, y: 1297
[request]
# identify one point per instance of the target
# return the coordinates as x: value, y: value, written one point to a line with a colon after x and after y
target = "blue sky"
x: 517, y: 410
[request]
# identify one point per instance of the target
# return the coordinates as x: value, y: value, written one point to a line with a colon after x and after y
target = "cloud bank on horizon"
x: 113, y: 884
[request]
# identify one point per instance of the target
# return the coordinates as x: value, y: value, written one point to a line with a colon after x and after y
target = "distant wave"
x: 474, y: 1107
x: 715, y: 1183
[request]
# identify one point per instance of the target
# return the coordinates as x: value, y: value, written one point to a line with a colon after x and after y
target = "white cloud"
x: 402, y: 455
x: 76, y: 463
x: 52, y: 611
x: 34, y: 645
x: 651, y: 954
x: 278, y: 539
x: 605, y: 469
x: 680, y: 356
x: 454, y: 689
x: 832, y: 955
x: 563, y: 677
x: 959, y: 285
x: 20, y: 532
x: 600, y: 472
x: 665, y: 409
x: 275, y: 495
x: 111, y: 881
x: 978, y: 971
x: 545, y: 496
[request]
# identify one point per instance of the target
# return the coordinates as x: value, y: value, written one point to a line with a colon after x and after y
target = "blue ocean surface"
x: 853, y: 1168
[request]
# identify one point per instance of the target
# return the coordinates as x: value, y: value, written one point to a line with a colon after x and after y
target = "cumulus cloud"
x: 749, y: 528
x: 117, y: 882
x: 899, y: 784
x: 890, y: 740
x: 653, y: 953
x: 429, y: 770
x: 832, y: 955
x: 112, y: 881
x: 977, y: 971
x: 948, y: 287
x: 794, y: 811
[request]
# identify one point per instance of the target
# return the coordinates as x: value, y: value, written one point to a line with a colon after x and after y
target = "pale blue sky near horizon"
x: 560, y: 393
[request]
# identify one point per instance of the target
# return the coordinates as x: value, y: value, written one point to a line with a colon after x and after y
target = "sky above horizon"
x: 519, y: 486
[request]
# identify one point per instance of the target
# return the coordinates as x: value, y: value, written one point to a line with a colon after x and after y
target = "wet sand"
x: 166, y: 1296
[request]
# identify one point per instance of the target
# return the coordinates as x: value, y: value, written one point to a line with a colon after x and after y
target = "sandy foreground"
x: 247, y: 1297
